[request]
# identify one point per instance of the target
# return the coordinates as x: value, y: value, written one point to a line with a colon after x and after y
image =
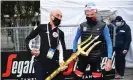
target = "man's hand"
x: 108, y: 65
x: 124, y: 51
x: 35, y: 52
x: 63, y: 67
x: 61, y: 62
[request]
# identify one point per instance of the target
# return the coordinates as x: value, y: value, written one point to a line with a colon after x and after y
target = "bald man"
x: 50, y: 56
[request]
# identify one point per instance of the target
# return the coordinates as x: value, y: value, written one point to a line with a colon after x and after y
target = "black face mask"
x: 90, y: 21
x: 56, y: 21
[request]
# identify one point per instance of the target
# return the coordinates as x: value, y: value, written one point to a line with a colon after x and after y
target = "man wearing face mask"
x: 50, y: 56
x: 122, y: 43
x: 96, y: 27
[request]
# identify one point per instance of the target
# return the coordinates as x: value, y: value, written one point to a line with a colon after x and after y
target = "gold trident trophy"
x: 76, y: 54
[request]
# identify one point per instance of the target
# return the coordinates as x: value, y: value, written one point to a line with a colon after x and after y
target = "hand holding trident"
x: 76, y: 54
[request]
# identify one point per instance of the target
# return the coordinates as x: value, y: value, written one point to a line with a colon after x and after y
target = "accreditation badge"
x: 50, y: 53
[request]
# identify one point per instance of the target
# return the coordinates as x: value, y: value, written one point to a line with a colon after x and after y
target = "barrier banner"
x: 19, y: 66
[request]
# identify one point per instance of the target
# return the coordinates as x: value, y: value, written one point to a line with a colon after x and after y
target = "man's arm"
x: 62, y: 51
x: 32, y: 35
x: 75, y: 42
x: 61, y: 58
x: 108, y: 41
x: 62, y: 46
x: 106, y: 34
x: 127, y: 38
x: 63, y: 42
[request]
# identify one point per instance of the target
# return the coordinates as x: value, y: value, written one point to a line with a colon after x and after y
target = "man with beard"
x: 52, y: 47
x: 93, y: 26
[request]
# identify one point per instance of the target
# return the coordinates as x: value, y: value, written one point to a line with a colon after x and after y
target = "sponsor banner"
x: 19, y: 66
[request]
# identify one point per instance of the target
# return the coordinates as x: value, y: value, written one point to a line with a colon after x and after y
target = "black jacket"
x: 44, y: 46
x: 123, y: 37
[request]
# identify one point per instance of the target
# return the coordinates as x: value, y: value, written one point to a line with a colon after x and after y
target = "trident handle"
x: 75, y: 55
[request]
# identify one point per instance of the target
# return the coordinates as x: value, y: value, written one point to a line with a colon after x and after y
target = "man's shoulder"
x: 127, y: 27
x: 102, y: 23
x: 42, y: 25
x: 61, y: 31
x: 83, y: 23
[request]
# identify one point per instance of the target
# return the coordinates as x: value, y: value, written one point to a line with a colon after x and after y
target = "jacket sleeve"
x: 75, y: 42
x: 63, y: 41
x: 60, y: 48
x: 108, y: 41
x: 127, y: 38
x: 63, y: 46
x: 32, y: 35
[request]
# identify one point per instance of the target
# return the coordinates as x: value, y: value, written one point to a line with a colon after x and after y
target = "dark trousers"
x: 84, y: 61
x: 120, y: 61
x: 42, y: 71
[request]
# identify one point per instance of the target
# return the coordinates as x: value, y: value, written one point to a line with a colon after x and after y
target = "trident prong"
x: 89, y: 50
x: 83, y: 48
x: 76, y: 54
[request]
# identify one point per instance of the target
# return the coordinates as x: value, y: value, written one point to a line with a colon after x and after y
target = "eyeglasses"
x: 90, y: 14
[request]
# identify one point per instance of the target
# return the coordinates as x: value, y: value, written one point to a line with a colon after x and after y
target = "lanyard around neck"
x: 49, y: 36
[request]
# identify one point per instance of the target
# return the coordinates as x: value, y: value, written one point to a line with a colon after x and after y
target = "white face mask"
x: 118, y: 23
